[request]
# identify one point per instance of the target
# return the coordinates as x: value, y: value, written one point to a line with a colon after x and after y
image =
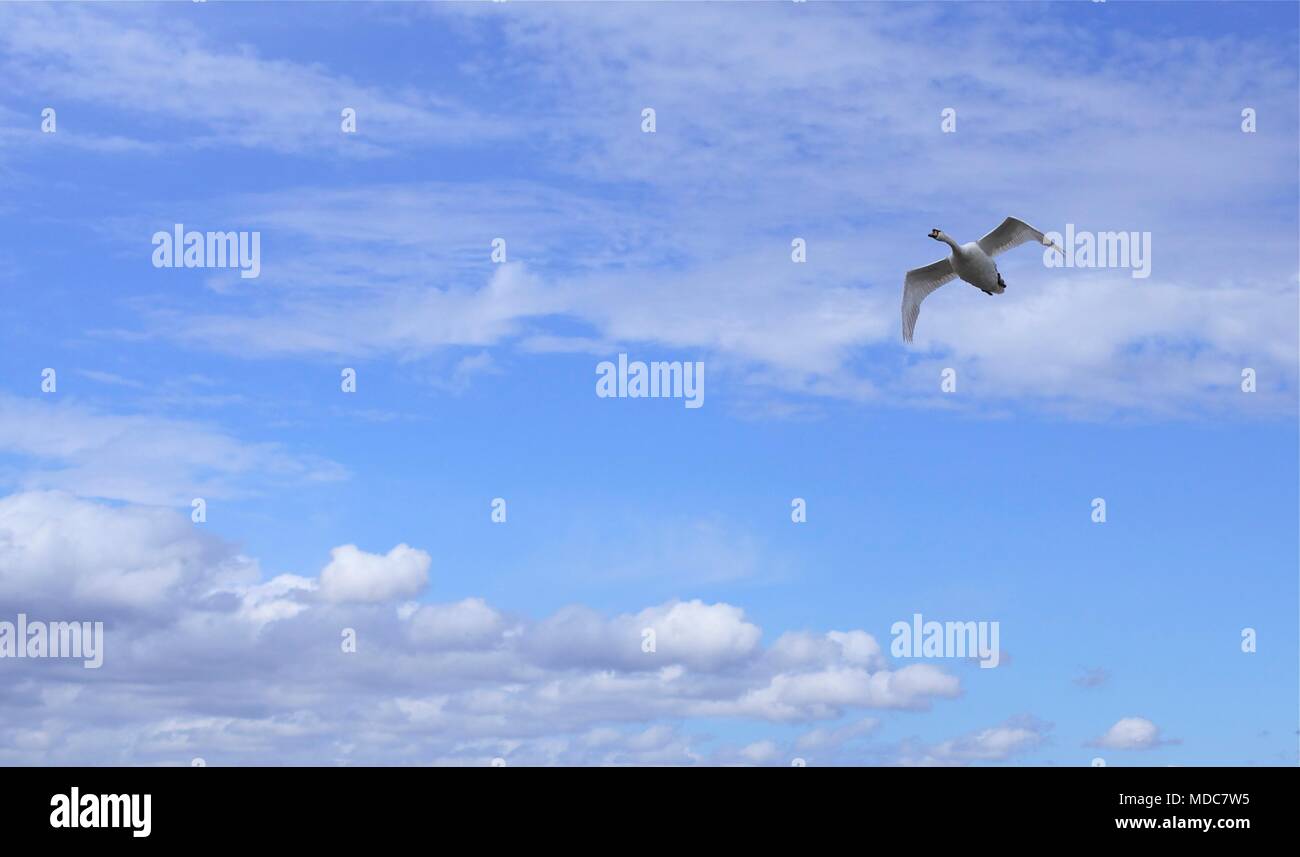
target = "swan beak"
x: 934, y: 233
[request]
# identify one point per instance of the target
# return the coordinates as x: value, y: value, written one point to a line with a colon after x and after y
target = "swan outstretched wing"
x: 918, y: 283
x: 1012, y: 233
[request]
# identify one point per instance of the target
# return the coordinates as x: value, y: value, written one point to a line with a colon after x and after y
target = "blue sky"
x: 475, y: 380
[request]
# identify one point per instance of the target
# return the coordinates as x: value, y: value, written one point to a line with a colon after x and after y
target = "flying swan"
x: 972, y: 262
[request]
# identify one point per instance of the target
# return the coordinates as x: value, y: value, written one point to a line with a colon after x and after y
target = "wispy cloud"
x: 143, y: 458
x: 161, y: 64
x: 670, y: 239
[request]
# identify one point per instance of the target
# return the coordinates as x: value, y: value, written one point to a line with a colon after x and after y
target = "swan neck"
x: 943, y: 236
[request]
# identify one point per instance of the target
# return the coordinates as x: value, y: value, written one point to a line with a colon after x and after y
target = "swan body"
x: 972, y: 262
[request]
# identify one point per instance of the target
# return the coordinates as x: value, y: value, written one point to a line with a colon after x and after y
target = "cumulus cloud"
x: 1014, y: 738
x: 60, y: 551
x: 995, y: 744
x: 468, y: 624
x: 825, y: 693
x: 236, y: 666
x: 760, y: 752
x: 700, y: 635
x: 1131, y: 733
x: 281, y: 597
x: 692, y: 633
x: 356, y: 576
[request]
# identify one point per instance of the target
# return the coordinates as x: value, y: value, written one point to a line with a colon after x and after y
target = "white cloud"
x: 704, y: 636
x: 995, y: 744
x: 795, y: 649
x: 143, y: 458
x: 281, y: 597
x: 60, y: 551
x: 708, y: 271
x: 701, y: 263
x: 760, y: 752
x: 1010, y: 740
x: 234, y: 667
x: 217, y: 94
x: 1130, y: 733
x: 858, y: 648
x: 825, y: 693
x: 1087, y: 336
x: 468, y: 624
x: 353, y: 575
x: 692, y: 633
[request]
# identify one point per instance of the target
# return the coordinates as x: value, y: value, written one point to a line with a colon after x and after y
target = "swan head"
x: 935, y: 233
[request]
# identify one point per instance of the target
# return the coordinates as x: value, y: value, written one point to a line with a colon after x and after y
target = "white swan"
x: 972, y: 262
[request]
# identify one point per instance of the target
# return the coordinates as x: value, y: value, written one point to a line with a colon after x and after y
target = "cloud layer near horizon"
x: 203, y: 658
